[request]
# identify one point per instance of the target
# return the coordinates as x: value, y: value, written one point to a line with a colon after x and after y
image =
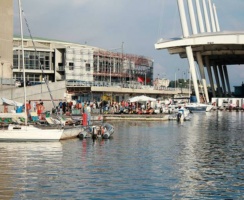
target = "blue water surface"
x: 198, y: 159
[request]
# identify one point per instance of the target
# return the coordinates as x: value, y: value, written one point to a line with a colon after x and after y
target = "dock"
x: 142, y: 117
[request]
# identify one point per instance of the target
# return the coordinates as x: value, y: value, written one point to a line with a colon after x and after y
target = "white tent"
x: 10, y: 102
x: 141, y: 98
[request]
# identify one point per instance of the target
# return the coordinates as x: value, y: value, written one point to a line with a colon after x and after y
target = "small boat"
x: 183, y: 114
x: 71, y: 132
x: 108, y: 131
x: 85, y: 132
x: 103, y: 131
x: 71, y: 129
x: 198, y: 107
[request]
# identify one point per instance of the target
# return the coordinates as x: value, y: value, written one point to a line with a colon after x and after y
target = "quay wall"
x: 35, y: 93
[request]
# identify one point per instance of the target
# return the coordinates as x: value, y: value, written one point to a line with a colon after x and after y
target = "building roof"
x: 221, y: 47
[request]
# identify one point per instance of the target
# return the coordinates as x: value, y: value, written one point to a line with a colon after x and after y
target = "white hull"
x: 29, y: 133
x: 195, y: 107
x: 71, y: 132
x: 109, y: 131
x: 85, y: 132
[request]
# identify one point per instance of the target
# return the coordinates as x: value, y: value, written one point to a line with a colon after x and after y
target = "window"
x: 88, y: 67
x: 71, y: 66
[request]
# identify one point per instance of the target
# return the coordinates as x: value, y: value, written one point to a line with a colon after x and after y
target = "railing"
x: 77, y: 83
x: 7, y: 81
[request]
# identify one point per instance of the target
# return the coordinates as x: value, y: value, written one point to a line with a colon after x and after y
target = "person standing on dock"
x: 28, y: 108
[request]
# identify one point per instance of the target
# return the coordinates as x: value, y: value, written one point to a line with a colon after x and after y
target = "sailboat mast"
x: 23, y: 56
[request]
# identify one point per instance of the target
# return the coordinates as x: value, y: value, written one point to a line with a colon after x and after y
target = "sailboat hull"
x: 71, y: 132
x: 29, y: 133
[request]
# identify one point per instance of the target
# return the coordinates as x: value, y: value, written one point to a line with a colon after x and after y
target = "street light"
x: 110, y: 73
x: 2, y: 63
x: 145, y: 77
x: 175, y: 76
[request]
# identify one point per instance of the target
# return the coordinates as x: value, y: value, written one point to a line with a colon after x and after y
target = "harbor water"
x: 198, y: 159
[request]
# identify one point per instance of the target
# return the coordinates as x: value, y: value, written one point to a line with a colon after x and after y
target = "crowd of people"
x: 99, y: 107
x: 113, y: 107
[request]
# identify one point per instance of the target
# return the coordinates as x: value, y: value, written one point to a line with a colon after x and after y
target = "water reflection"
x: 198, y: 159
x: 22, y: 163
x: 211, y: 160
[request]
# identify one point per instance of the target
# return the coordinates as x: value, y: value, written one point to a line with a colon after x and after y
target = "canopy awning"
x: 141, y: 98
x: 10, y: 102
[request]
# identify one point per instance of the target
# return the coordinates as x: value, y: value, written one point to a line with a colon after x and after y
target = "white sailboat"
x: 197, y: 106
x: 25, y: 132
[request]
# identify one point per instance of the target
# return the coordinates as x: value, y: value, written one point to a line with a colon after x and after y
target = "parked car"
x: 17, y: 83
x: 20, y: 83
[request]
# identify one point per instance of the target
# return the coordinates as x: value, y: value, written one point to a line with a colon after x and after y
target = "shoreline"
x: 142, y: 117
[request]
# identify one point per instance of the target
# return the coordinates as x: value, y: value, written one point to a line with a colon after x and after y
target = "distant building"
x: 161, y: 83
x: 6, y: 38
x: 59, y: 60
x: 239, y: 90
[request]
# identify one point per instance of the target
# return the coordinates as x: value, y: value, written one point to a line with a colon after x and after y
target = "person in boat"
x: 103, y: 130
x: 40, y: 110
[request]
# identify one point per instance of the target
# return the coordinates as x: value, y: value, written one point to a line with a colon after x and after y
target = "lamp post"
x: 110, y: 74
x: 12, y: 82
x: 145, y: 78
x: 2, y: 63
x: 175, y: 76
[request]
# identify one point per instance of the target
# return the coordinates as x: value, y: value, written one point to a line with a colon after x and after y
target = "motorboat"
x: 108, y: 130
x: 183, y: 115
x: 104, y: 131
x: 198, y: 107
x: 85, y: 132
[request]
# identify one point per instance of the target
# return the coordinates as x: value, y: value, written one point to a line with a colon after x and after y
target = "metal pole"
x: 110, y: 74
x: 23, y: 56
x: 2, y: 75
x: 145, y: 78
x: 175, y: 80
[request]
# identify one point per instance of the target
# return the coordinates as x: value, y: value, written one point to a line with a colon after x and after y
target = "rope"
x: 41, y: 66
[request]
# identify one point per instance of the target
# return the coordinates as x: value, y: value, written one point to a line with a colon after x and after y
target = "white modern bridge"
x: 207, y: 45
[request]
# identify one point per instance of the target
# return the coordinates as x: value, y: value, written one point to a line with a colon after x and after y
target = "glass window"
x: 88, y: 67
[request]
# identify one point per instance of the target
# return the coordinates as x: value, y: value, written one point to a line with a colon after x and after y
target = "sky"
x: 138, y: 24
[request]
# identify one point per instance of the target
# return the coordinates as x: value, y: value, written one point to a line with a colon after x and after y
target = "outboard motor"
x: 179, y: 117
x: 81, y: 135
x: 94, y: 133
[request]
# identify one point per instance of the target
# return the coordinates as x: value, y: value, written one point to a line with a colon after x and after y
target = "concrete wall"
x: 6, y: 38
x: 35, y: 93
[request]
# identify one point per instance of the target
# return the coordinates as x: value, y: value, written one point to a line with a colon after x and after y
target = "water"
x: 198, y: 159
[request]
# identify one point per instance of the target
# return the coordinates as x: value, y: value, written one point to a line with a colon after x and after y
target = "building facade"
x: 78, y: 63
x: 6, y: 38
